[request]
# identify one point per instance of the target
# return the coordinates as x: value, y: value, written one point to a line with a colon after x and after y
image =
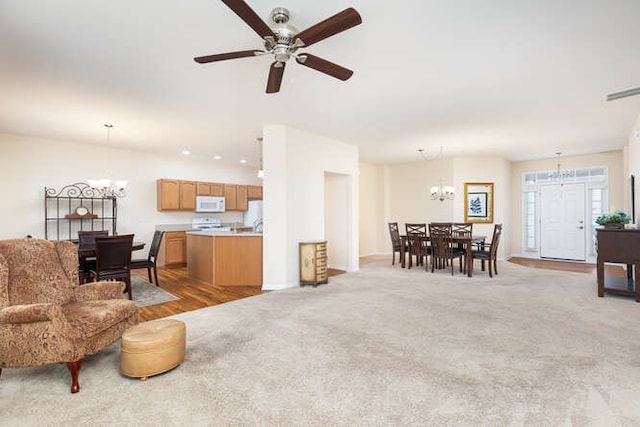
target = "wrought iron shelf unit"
x: 63, y: 219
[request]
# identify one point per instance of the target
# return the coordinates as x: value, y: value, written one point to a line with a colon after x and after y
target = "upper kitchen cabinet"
x: 174, y: 195
x: 235, y: 197
x: 254, y: 192
x: 210, y: 189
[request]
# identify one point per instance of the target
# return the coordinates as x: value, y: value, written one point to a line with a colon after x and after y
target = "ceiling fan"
x: 283, y: 41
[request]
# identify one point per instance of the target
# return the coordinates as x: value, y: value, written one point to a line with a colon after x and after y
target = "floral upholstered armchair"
x: 46, y: 316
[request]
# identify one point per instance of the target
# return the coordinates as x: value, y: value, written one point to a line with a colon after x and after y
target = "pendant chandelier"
x: 440, y: 192
x: 559, y: 174
x: 105, y: 187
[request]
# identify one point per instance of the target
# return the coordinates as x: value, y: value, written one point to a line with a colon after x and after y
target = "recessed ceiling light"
x: 185, y: 152
x: 217, y: 157
x: 243, y: 161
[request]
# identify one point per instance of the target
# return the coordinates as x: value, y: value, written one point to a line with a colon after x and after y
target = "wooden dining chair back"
x: 151, y: 261
x: 417, y: 244
x: 490, y: 254
x: 462, y: 230
x: 86, y: 264
x: 113, y: 259
x: 396, y: 243
x: 443, y: 250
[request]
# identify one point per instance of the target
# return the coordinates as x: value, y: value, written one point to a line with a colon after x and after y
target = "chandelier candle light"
x: 104, y: 186
x: 440, y: 192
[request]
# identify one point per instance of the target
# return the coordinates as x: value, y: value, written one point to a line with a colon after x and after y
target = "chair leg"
x: 155, y: 274
x: 74, y: 369
x: 495, y: 266
x: 127, y: 282
x: 149, y: 273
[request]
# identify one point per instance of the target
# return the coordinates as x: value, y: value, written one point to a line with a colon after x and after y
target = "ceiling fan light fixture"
x: 282, y: 40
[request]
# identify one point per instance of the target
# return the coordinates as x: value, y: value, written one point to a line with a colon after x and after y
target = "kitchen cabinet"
x: 174, y: 252
x: 235, y: 197
x: 210, y: 189
x: 313, y: 263
x: 254, y: 192
x: 176, y: 195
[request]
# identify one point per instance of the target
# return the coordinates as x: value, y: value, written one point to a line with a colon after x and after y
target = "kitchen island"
x: 225, y: 258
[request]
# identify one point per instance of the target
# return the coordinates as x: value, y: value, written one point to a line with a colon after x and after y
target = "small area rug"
x: 145, y: 293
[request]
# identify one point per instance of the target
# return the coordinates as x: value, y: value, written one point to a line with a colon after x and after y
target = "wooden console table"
x: 618, y: 246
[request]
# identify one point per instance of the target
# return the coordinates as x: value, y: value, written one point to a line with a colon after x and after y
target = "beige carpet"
x: 383, y: 346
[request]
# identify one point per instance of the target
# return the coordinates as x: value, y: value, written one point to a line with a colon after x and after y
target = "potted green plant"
x: 615, y: 219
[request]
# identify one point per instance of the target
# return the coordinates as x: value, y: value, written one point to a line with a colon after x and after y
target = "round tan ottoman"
x: 153, y: 347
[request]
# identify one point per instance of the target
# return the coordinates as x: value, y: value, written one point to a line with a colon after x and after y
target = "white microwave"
x: 209, y: 204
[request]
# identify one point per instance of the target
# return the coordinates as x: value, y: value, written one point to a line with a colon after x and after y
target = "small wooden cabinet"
x: 175, y: 248
x: 235, y: 197
x: 210, y: 189
x: 176, y: 195
x: 313, y: 263
x: 254, y: 192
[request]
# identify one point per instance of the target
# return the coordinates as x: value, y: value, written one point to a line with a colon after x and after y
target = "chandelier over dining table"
x: 440, y: 192
x: 105, y: 187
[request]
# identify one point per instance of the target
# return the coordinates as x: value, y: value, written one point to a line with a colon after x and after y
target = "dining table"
x: 468, y: 243
x: 89, y: 250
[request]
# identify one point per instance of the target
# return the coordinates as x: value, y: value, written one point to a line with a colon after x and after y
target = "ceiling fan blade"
x: 275, y: 77
x: 250, y: 17
x: 324, y: 66
x: 623, y: 94
x: 336, y: 24
x: 228, y: 55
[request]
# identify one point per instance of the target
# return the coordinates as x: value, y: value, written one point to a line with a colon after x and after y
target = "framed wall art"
x: 478, y: 202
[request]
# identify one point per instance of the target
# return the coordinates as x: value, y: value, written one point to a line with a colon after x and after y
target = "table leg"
x: 600, y: 275
x: 469, y: 260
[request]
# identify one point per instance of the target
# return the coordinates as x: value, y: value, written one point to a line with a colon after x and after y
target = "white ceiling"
x: 495, y: 77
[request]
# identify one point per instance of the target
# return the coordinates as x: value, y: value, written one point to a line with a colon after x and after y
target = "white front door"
x: 562, y: 226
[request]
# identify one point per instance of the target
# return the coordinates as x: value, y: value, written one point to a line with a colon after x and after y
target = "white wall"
x: 374, y: 236
x: 295, y: 164
x: 31, y: 164
x: 336, y: 219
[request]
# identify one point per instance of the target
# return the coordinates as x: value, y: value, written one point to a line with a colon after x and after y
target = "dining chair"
x: 461, y: 230
x: 151, y: 261
x: 396, y: 244
x: 417, y: 243
x: 86, y: 264
x: 442, y: 246
x: 113, y: 259
x: 491, y: 254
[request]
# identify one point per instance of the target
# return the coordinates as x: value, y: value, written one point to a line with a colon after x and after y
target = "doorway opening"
x: 553, y: 206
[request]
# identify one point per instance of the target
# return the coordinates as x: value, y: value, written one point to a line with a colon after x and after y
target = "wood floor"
x: 576, y: 267
x: 193, y: 294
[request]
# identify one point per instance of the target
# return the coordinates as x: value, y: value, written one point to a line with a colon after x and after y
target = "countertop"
x: 215, y: 233
x: 175, y: 227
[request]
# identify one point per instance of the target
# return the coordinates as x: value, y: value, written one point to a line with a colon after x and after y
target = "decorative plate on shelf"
x: 81, y: 212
